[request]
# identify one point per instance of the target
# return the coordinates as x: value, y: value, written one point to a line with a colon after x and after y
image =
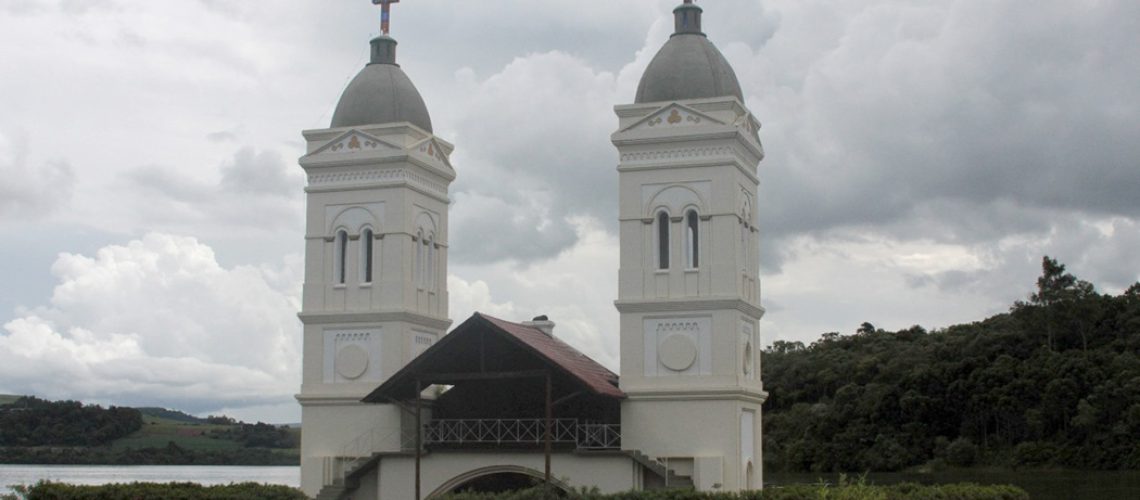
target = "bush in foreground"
x: 859, y: 491
x: 46, y: 490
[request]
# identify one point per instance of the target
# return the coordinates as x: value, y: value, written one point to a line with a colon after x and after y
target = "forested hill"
x: 37, y: 431
x: 1053, y: 382
x: 30, y: 421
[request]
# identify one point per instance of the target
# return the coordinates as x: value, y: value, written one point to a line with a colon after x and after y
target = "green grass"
x: 173, y: 415
x: 8, y: 399
x: 157, y: 432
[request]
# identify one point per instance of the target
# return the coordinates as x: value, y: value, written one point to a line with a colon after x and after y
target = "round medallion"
x: 351, y: 362
x: 677, y: 352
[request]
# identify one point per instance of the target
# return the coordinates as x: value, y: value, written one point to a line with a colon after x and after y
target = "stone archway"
x: 509, y: 474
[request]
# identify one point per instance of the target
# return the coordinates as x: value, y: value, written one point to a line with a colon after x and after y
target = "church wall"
x: 394, y: 285
x: 706, y: 433
x: 610, y: 473
x: 727, y: 368
x: 333, y: 428
x: 689, y: 337
x: 391, y: 179
x: 717, y: 189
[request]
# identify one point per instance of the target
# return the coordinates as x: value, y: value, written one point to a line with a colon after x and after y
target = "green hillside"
x: 159, y: 432
x: 69, y: 432
x: 8, y: 399
x: 173, y: 415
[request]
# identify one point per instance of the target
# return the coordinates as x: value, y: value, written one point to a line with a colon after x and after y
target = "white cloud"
x: 159, y: 321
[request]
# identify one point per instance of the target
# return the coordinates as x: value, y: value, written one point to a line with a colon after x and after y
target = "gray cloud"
x: 505, y: 128
x: 31, y: 191
x: 487, y: 229
x: 261, y: 172
x: 222, y: 136
x: 22, y: 7
x: 256, y: 191
x: 966, y: 111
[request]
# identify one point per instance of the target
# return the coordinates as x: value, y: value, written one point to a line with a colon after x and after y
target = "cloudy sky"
x: 922, y: 157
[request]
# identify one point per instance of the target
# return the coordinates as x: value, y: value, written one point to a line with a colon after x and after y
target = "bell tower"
x: 689, y: 288
x: 375, y: 291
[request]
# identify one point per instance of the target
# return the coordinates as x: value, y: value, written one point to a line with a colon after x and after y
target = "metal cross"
x: 385, y: 5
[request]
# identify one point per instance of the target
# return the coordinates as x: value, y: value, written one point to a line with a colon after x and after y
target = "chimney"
x: 542, y: 323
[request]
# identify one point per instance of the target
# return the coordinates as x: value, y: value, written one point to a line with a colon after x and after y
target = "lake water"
x: 1041, y: 485
x: 104, y: 474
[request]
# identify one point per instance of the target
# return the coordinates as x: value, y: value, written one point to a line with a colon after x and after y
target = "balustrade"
x: 501, y: 431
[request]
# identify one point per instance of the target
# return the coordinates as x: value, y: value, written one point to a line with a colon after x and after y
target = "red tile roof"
x: 595, y: 376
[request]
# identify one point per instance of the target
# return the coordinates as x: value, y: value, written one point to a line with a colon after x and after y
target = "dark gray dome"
x: 689, y: 66
x: 381, y: 93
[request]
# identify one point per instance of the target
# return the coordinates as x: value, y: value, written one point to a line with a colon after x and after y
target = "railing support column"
x: 419, y: 438
x: 549, y: 415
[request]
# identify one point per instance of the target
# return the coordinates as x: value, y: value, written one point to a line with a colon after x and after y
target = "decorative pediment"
x: 354, y: 141
x: 674, y: 115
x: 747, y: 122
x: 432, y: 148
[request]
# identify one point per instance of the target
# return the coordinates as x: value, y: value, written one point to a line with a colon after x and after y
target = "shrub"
x: 845, y: 491
x: 962, y: 453
x: 1034, y: 454
x: 47, y: 490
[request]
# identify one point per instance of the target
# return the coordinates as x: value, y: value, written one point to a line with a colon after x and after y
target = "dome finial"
x: 383, y: 46
x: 687, y: 19
x: 385, y: 12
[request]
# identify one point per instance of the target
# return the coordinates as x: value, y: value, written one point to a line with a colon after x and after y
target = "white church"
x: 396, y: 406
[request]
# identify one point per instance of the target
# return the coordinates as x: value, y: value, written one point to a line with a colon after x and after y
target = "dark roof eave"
x: 391, y: 389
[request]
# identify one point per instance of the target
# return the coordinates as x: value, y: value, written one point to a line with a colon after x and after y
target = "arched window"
x: 429, y: 253
x: 662, y: 240
x: 341, y: 255
x: 418, y: 270
x: 692, y: 239
x: 366, y: 256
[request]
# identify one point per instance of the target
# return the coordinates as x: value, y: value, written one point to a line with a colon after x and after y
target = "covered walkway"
x: 512, y: 393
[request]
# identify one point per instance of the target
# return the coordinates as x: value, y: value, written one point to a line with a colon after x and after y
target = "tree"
x: 784, y: 347
x: 1055, y: 288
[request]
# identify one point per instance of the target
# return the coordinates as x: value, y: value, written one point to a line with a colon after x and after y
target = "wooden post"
x: 419, y: 438
x: 549, y: 413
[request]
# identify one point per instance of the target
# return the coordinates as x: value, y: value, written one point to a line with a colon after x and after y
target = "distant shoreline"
x: 171, y: 455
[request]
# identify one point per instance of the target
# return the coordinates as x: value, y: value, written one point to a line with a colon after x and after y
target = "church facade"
x: 396, y: 406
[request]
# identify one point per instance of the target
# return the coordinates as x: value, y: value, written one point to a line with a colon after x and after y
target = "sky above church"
x: 922, y: 157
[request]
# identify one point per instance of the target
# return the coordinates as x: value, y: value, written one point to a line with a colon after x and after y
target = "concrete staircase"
x: 671, y: 478
x: 349, y: 480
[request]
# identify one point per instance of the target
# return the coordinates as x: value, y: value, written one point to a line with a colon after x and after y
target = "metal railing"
x: 599, y: 436
x: 503, y: 431
x: 511, y: 431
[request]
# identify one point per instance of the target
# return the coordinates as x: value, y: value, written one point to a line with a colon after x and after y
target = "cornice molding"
x: 720, y: 132
x: 372, y: 177
x: 330, y: 318
x: 709, y: 394
x: 333, y: 398
x: 686, y: 305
